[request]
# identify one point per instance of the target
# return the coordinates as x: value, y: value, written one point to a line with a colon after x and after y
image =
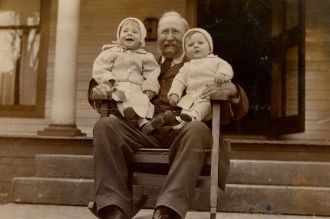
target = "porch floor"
x: 32, y: 211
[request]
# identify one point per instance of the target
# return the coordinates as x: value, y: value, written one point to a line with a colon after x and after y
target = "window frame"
x: 37, y: 110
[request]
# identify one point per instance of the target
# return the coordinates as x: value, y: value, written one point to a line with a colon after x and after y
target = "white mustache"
x: 170, y: 44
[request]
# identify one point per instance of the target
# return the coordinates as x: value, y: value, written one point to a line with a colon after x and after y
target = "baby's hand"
x: 103, y: 90
x: 111, y: 82
x: 221, y: 79
x: 173, y: 99
x: 150, y: 94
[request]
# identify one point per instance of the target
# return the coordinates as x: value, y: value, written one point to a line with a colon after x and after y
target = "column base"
x: 61, y: 130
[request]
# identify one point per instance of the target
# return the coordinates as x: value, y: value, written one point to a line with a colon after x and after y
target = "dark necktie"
x: 165, y: 66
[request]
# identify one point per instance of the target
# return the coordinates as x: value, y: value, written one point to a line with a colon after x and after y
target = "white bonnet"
x: 199, y: 30
x: 142, y: 28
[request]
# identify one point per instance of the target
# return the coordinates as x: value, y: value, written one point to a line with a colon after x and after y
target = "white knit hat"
x: 142, y: 28
x: 199, y: 30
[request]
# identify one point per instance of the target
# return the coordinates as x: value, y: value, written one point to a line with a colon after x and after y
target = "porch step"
x: 64, y: 165
x: 255, y: 172
x: 66, y: 191
x: 236, y: 198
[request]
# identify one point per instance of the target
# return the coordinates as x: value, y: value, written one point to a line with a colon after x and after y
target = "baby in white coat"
x: 203, y: 69
x: 128, y: 72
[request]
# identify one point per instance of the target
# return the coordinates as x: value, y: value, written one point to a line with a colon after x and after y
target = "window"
x: 23, y: 55
x: 264, y: 42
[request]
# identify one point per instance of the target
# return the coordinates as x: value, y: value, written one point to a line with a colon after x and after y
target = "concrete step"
x: 66, y: 191
x: 256, y: 199
x: 258, y: 172
x: 64, y: 165
x: 291, y: 173
x: 237, y: 198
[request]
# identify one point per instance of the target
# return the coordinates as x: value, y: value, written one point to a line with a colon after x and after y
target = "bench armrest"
x: 214, y: 98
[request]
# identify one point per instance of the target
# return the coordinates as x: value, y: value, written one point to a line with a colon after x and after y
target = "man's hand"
x: 102, y: 91
x: 173, y: 99
x: 150, y: 94
x: 227, y: 89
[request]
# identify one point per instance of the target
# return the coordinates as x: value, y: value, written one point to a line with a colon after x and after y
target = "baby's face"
x: 130, y: 35
x: 197, y: 46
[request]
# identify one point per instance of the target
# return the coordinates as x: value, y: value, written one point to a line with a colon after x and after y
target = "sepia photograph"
x: 164, y: 109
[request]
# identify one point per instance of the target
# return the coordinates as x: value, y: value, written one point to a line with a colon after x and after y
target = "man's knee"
x: 106, y: 123
x: 198, y: 129
x: 199, y: 132
x: 106, y: 134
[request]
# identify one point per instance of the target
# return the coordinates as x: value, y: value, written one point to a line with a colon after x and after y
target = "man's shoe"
x: 112, y: 212
x: 138, y: 205
x: 92, y: 208
x: 163, y: 212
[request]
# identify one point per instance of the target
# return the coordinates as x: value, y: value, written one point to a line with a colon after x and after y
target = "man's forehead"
x: 171, y: 22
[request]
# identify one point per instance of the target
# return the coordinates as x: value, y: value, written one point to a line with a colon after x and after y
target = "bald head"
x: 173, y: 16
x: 171, y: 28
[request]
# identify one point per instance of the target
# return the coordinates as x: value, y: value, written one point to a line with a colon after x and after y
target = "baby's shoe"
x: 152, y: 125
x: 131, y: 116
x: 170, y: 118
x: 185, y: 117
x: 165, y: 119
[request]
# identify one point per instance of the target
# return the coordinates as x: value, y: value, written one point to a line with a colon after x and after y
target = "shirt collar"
x: 175, y: 60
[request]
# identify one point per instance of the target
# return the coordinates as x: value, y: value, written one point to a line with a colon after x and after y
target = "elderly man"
x: 115, y: 140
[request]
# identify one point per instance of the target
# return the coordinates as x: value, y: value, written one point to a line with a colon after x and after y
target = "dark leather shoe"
x: 130, y: 114
x: 153, y: 125
x: 163, y: 212
x: 165, y: 119
x: 170, y: 118
x: 138, y: 205
x: 185, y: 117
x: 112, y: 212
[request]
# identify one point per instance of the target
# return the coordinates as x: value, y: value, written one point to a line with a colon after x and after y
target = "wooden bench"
x: 149, y: 156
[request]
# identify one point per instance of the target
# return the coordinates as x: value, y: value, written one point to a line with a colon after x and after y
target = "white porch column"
x: 63, y: 114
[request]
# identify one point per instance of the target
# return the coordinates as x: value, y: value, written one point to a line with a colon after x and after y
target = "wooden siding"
x: 98, y: 24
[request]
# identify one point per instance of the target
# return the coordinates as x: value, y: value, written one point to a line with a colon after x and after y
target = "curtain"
x: 9, y: 54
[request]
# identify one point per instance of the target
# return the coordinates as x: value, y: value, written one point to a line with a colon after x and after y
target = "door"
x: 263, y: 40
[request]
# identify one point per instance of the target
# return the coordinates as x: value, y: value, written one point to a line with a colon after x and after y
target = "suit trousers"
x: 115, y: 142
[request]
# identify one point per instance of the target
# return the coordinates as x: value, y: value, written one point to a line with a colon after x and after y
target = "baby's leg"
x: 198, y: 112
x: 136, y: 109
